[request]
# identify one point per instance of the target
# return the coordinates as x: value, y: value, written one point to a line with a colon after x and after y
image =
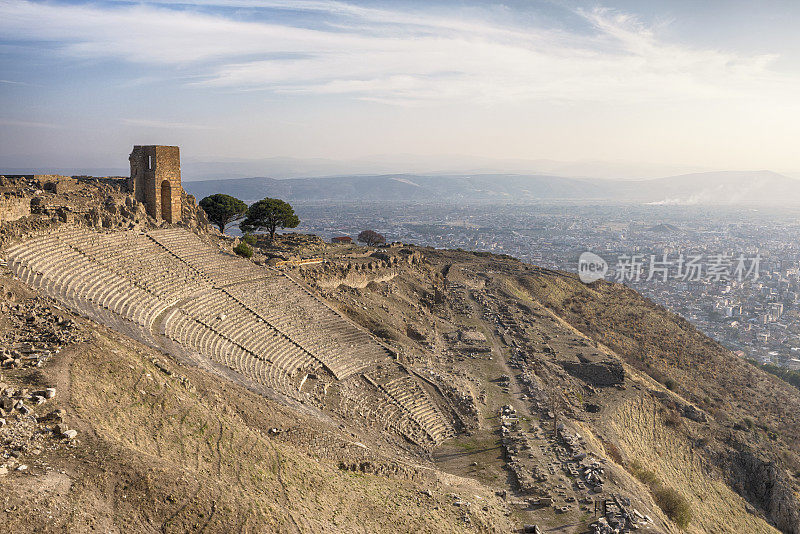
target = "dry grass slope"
x: 158, y: 456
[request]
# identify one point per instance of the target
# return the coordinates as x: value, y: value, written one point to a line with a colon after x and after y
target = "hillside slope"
x: 757, y: 415
x: 165, y: 448
x: 565, y: 399
x: 688, y: 415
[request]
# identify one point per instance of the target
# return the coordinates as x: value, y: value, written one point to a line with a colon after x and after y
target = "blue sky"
x: 707, y: 84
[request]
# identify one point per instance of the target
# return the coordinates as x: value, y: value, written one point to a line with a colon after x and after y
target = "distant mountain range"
x: 292, y: 167
x: 755, y: 187
x: 463, y: 164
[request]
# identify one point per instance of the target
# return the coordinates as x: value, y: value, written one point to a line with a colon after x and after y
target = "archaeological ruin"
x: 174, y: 290
x: 492, y: 392
x: 156, y: 180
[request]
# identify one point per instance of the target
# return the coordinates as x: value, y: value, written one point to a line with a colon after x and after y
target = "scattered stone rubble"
x: 35, y: 334
x: 572, y: 479
x: 617, y: 517
x: 28, y: 427
x: 461, y: 399
x: 82, y: 200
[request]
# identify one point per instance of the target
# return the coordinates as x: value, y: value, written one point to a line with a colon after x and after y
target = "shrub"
x: 643, y: 474
x: 672, y: 418
x: 613, y: 452
x: 674, y: 505
x: 250, y: 239
x: 244, y: 250
x: 670, y: 384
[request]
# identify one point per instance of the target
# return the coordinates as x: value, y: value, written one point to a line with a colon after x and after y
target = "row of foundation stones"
x: 574, y: 456
x: 513, y: 445
x: 569, y: 450
x: 529, y: 480
x: 616, y: 514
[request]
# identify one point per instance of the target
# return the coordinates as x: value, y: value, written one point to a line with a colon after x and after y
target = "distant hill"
x: 731, y: 187
x: 415, y: 188
x: 760, y: 187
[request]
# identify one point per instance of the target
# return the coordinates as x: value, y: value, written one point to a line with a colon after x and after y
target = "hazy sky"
x: 711, y: 84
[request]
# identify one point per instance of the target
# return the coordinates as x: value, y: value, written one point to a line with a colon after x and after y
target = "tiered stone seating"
x: 279, y: 301
x: 406, y: 392
x: 341, y: 346
x: 191, y: 333
x: 253, y: 320
x: 229, y: 318
x: 50, y: 264
x: 219, y: 267
x: 379, y: 411
x: 126, y: 252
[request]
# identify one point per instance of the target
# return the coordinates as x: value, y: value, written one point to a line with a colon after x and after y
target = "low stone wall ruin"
x: 14, y: 208
x: 382, y: 267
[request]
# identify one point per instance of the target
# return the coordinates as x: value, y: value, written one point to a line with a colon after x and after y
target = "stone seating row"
x: 144, y: 262
x: 223, y: 269
x: 341, y: 346
x: 121, y: 252
x: 266, y: 326
x: 407, y: 393
x: 193, y: 334
x: 69, y: 276
x: 225, y: 315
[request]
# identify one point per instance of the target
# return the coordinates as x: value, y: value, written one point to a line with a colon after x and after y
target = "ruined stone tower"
x: 156, y: 180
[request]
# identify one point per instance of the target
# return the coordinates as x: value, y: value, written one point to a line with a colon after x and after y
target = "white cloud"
x: 399, y: 57
x: 152, y: 123
x: 28, y: 124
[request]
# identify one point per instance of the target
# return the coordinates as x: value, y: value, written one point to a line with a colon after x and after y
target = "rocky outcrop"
x: 761, y: 481
x: 32, y: 204
x: 596, y: 373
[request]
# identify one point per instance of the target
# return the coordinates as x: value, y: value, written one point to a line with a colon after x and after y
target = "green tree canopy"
x: 269, y: 214
x: 223, y: 210
x: 244, y: 250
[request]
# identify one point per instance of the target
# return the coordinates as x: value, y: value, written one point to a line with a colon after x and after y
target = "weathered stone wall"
x: 55, y: 183
x: 13, y: 208
x: 356, y: 279
x: 598, y: 374
x: 168, y: 180
x: 156, y: 175
x: 378, y: 267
